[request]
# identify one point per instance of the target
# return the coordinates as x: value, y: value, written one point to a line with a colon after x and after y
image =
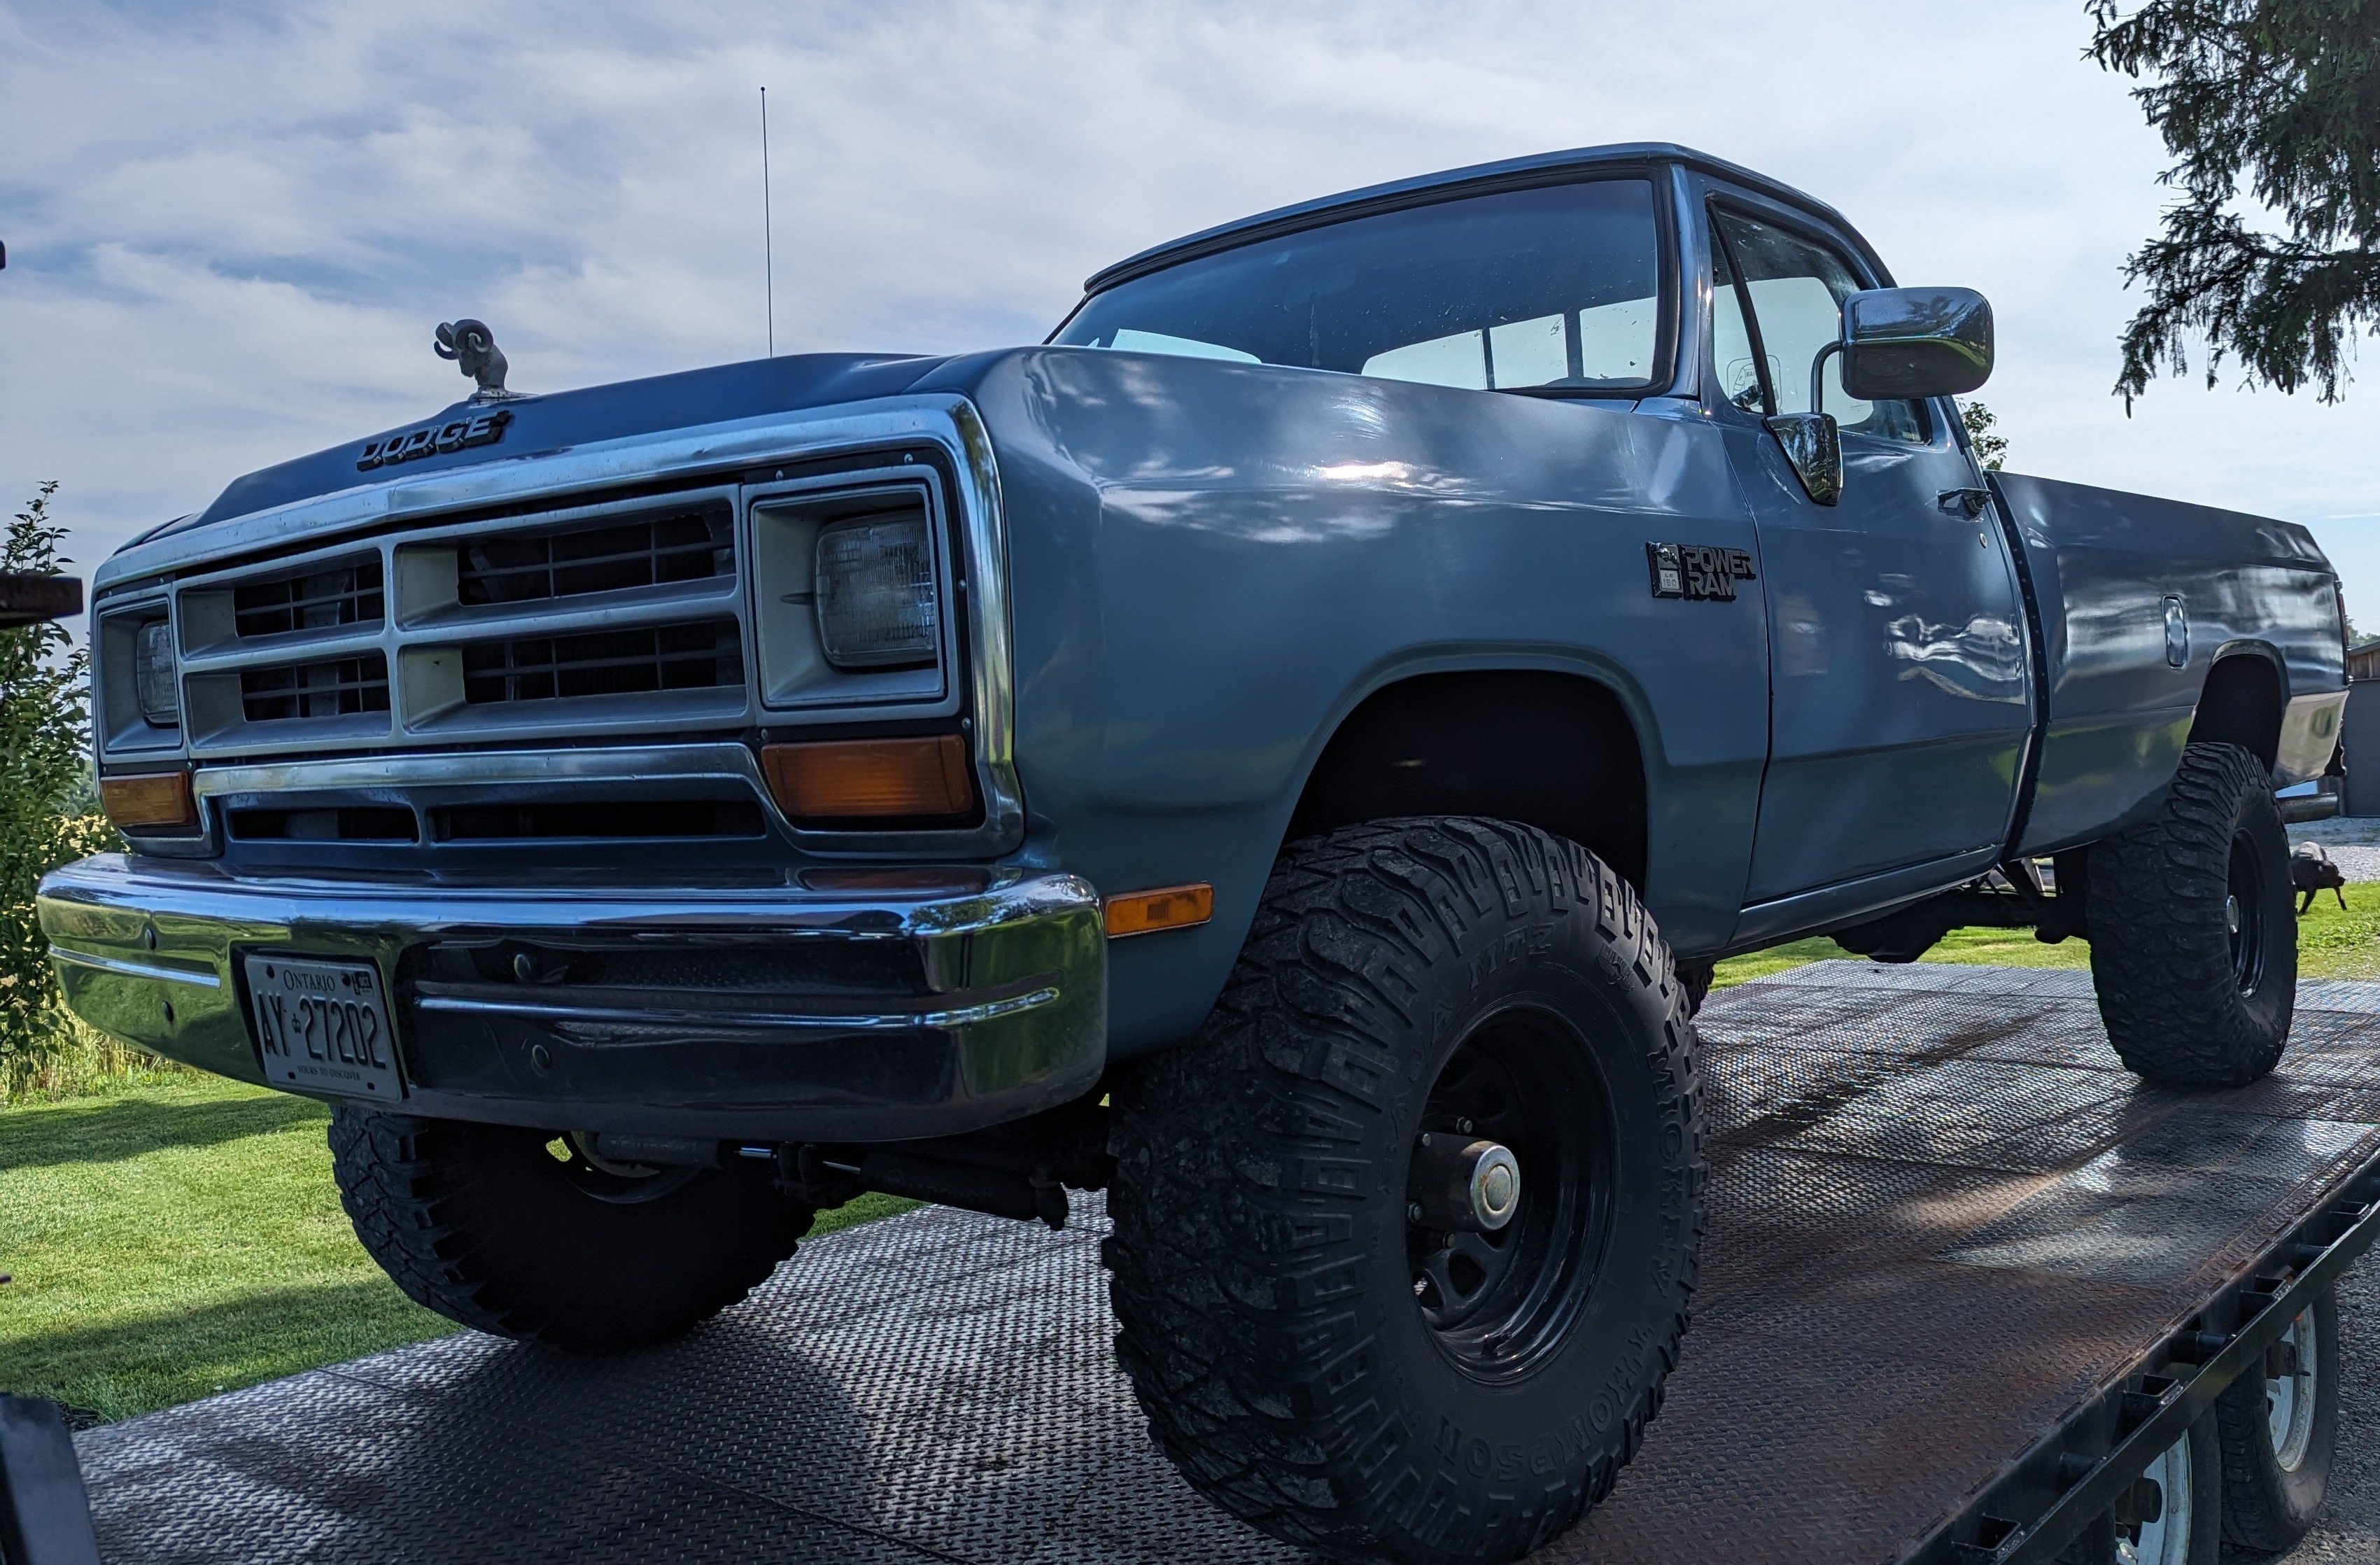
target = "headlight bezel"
x: 123, y: 725
x: 795, y: 672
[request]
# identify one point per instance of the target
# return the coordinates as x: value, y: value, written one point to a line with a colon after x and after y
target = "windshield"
x: 1553, y: 287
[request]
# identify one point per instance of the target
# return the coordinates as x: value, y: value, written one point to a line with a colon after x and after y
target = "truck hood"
x: 541, y: 425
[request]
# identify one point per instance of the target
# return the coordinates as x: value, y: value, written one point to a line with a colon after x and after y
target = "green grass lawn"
x: 170, y: 1240
x: 2332, y: 942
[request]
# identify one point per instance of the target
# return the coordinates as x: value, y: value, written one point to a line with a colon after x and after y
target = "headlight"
x: 153, y: 675
x: 877, y: 601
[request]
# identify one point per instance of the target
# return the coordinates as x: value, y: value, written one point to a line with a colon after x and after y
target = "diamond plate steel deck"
x: 1942, y: 1217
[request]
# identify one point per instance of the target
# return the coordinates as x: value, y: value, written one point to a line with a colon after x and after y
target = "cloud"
x: 231, y: 228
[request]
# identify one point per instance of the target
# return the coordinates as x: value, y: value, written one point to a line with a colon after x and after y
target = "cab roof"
x: 1538, y: 168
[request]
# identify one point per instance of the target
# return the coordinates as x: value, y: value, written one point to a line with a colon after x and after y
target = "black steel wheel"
x: 1404, y: 1237
x: 526, y: 1233
x: 1500, y: 1301
x: 2193, y: 928
x: 2278, y: 1423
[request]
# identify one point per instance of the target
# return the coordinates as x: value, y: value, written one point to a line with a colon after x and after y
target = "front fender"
x: 1213, y: 564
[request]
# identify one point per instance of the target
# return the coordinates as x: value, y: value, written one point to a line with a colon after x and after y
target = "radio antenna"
x: 768, y: 230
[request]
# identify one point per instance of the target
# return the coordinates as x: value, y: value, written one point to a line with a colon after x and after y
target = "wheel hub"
x: 1501, y: 1265
x: 1460, y: 1183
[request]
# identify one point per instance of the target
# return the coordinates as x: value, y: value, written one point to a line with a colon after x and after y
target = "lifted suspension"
x: 2015, y: 896
x: 1020, y: 1171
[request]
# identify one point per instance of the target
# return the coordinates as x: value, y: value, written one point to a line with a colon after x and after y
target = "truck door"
x: 1898, y: 690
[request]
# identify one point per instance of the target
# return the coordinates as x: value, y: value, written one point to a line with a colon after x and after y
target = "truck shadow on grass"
x: 111, y: 1129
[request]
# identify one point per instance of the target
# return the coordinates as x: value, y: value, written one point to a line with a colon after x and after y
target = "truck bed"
x: 1951, y: 1241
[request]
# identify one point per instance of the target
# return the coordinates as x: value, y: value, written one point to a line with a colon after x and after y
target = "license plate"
x: 323, y: 1026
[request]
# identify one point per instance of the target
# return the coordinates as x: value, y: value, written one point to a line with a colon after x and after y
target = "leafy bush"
x: 46, y: 820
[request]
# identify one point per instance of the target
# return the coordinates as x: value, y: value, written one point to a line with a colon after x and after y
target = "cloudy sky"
x: 231, y: 227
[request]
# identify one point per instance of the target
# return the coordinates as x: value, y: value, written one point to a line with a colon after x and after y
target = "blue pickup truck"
x: 1287, y: 751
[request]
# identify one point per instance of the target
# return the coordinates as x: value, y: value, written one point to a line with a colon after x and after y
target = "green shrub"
x: 45, y: 821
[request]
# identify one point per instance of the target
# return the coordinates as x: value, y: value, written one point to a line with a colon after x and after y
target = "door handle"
x: 1965, y: 503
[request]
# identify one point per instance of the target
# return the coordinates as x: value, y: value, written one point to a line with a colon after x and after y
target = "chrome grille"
x: 623, y: 617
x: 609, y: 662
x: 690, y: 545
x: 628, y: 617
x: 347, y: 594
x: 332, y: 688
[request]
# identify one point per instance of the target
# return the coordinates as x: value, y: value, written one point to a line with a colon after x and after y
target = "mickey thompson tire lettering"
x: 484, y: 1225
x: 2163, y: 957
x: 1267, y: 1308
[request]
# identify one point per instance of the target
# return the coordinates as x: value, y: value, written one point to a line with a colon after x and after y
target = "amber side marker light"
x: 1168, y: 907
x: 847, y: 779
x: 149, y: 801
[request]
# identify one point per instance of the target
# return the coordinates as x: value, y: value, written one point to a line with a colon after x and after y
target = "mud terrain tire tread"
x: 473, y: 1222
x: 2160, y: 955
x: 1222, y: 1262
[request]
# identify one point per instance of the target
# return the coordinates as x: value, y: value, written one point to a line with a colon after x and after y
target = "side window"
x: 1797, y: 290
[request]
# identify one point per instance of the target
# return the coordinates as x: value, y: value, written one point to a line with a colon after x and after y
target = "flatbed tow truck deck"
x: 1966, y: 1278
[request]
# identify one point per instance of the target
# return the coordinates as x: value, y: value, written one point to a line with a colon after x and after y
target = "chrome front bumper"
x: 845, y: 1005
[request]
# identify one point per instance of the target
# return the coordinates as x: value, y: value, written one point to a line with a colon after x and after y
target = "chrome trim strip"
x: 988, y: 602
x: 201, y: 899
x: 593, y: 763
x: 134, y: 969
x: 561, y: 1013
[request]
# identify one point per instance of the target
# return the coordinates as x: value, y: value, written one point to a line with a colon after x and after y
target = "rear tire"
x: 2279, y: 1433
x: 485, y: 1225
x: 1316, y: 1354
x: 2183, y: 1524
x: 2193, y: 932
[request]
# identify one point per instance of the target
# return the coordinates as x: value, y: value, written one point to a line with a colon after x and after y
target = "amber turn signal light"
x: 1168, y: 907
x: 150, y: 801
x: 846, y: 779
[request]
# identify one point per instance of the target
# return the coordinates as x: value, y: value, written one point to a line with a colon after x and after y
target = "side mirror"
x: 1813, y: 449
x: 1915, y: 342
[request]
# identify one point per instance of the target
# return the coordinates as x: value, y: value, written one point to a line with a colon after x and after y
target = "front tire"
x: 1313, y: 1351
x: 519, y: 1233
x: 2193, y: 932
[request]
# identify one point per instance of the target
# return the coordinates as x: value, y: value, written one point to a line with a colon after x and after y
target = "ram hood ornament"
x: 471, y: 347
